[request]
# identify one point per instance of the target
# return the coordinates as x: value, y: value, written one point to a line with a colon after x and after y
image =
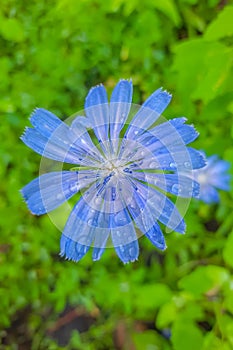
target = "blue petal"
x: 221, y: 181
x: 72, y: 250
x: 143, y: 217
x: 124, y: 239
x: 120, y: 218
x: 219, y: 167
x: 129, y: 252
x: 56, y: 149
x: 149, y: 112
x: 179, y: 185
x: 83, y: 214
x: 97, y: 253
x: 209, y: 194
x: 78, y: 230
x: 120, y: 106
x: 49, y: 191
x: 156, y: 237
x: 177, y: 122
x: 97, y: 111
x: 46, y: 122
x: 158, y: 206
x: 99, y: 244
x: 182, y: 158
x: 169, y: 133
x: 82, y: 140
x: 158, y: 101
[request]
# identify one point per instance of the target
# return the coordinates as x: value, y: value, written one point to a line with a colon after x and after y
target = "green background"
x: 51, y: 53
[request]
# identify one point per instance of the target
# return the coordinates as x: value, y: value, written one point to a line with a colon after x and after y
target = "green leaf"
x: 151, y: 296
x: 186, y: 336
x: 12, y: 29
x: 169, y: 8
x: 222, y: 26
x: 203, y: 67
x: 212, y: 342
x: 204, y: 279
x: 166, y: 315
x: 149, y: 340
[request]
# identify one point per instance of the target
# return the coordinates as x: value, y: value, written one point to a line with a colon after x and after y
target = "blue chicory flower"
x: 211, y: 177
x: 126, y: 169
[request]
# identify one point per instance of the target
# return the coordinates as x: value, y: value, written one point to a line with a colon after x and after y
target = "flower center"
x: 202, y: 179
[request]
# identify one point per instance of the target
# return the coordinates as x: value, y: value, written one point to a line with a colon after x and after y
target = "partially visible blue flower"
x: 127, y: 168
x: 212, y: 177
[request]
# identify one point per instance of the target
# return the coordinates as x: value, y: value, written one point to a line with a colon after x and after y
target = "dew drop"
x: 59, y: 196
x: 98, y: 200
x: 136, y: 132
x: 131, y: 252
x: 40, y: 210
x: 122, y: 117
x: 153, y: 165
x: 120, y: 218
x: 187, y: 165
x: 172, y: 165
x: 73, y: 187
x: 89, y: 221
x: 176, y: 189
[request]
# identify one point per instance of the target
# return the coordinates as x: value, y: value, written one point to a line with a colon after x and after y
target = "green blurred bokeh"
x: 52, y: 52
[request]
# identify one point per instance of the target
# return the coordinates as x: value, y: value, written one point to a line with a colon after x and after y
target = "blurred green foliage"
x: 52, y: 52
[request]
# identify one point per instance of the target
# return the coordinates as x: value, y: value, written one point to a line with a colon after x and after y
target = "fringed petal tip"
x: 97, y: 253
x: 95, y: 89
x: 34, y: 111
x: 128, y: 252
x: 126, y: 81
x: 27, y: 202
x: 24, y: 134
x: 71, y: 256
x: 182, y: 230
x: 130, y: 261
x: 165, y: 91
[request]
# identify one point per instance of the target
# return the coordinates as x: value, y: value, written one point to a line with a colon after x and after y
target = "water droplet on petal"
x: 98, y: 200
x: 172, y: 165
x: 89, y: 221
x: 59, y: 196
x: 176, y: 189
x: 131, y: 252
x: 187, y: 165
x: 120, y: 219
x: 153, y: 165
x: 74, y: 187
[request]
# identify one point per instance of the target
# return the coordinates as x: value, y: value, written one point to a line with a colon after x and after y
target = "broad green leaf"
x: 152, y: 296
x: 222, y: 26
x: 149, y: 340
x: 211, y: 341
x: 166, y: 315
x: 12, y: 29
x: 204, y: 279
x: 186, y: 336
x: 202, y: 69
x: 169, y: 8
